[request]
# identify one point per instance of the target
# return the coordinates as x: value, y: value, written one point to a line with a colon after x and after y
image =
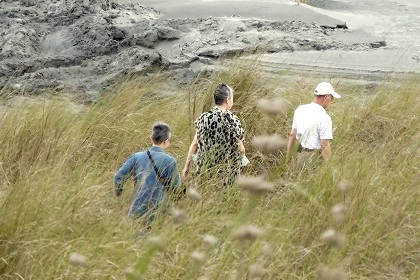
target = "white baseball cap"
x: 325, y: 88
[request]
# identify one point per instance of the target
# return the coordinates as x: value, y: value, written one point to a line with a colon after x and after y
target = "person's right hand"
x: 185, y: 172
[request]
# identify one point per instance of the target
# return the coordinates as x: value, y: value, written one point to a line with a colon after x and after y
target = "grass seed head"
x: 271, y: 106
x: 256, y: 185
x: 345, y: 186
x: 269, y: 143
x: 194, y: 194
x: 129, y: 273
x: 255, y: 271
x: 210, y: 239
x: 268, y: 250
x: 248, y: 232
x: 156, y: 241
x: 179, y: 216
x: 338, y: 213
x: 326, y: 273
x: 198, y: 256
x: 202, y: 277
x: 77, y: 260
x: 333, y: 238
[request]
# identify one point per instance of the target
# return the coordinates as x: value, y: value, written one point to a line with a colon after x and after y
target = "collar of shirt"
x: 156, y: 149
x: 215, y: 108
x: 319, y: 107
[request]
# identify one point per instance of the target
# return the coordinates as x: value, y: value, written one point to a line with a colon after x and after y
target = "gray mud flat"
x: 87, y: 45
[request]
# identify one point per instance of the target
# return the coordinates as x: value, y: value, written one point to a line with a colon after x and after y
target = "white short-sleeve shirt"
x: 312, y: 124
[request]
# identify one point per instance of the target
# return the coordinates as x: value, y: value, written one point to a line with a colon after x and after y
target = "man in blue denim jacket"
x: 154, y: 176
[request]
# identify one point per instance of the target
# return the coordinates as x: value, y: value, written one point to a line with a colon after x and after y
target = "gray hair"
x: 222, y: 92
x: 160, y: 132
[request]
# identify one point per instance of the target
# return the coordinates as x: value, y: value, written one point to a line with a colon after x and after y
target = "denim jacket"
x: 149, y: 190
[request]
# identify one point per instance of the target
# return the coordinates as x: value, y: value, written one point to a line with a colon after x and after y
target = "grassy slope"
x: 56, y: 193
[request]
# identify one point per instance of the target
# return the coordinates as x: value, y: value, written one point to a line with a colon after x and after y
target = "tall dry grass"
x: 58, y: 163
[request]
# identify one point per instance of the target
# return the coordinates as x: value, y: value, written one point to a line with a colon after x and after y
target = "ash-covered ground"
x: 85, y: 45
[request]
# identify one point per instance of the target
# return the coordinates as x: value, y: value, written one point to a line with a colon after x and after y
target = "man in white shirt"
x: 312, y: 127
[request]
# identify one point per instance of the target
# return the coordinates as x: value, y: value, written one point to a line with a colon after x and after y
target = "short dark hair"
x: 160, y: 132
x: 222, y: 92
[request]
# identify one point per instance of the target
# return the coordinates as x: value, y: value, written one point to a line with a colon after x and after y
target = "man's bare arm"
x: 325, y: 149
x: 192, y: 150
x: 291, y: 143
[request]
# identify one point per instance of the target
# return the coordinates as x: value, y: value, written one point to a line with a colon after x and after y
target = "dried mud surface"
x: 87, y: 45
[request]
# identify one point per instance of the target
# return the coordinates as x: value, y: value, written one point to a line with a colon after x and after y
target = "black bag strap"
x: 162, y: 181
x: 159, y: 176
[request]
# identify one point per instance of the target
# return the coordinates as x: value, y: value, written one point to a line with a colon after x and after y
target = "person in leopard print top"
x: 218, y: 142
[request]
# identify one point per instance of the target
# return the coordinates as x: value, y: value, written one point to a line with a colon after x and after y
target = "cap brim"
x: 335, y: 95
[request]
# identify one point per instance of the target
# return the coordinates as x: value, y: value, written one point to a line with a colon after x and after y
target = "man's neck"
x: 319, y: 102
x: 222, y: 107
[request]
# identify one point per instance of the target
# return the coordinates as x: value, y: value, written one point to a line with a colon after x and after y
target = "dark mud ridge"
x: 86, y: 45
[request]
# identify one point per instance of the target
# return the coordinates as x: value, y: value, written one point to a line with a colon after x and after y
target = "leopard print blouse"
x: 217, y: 134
